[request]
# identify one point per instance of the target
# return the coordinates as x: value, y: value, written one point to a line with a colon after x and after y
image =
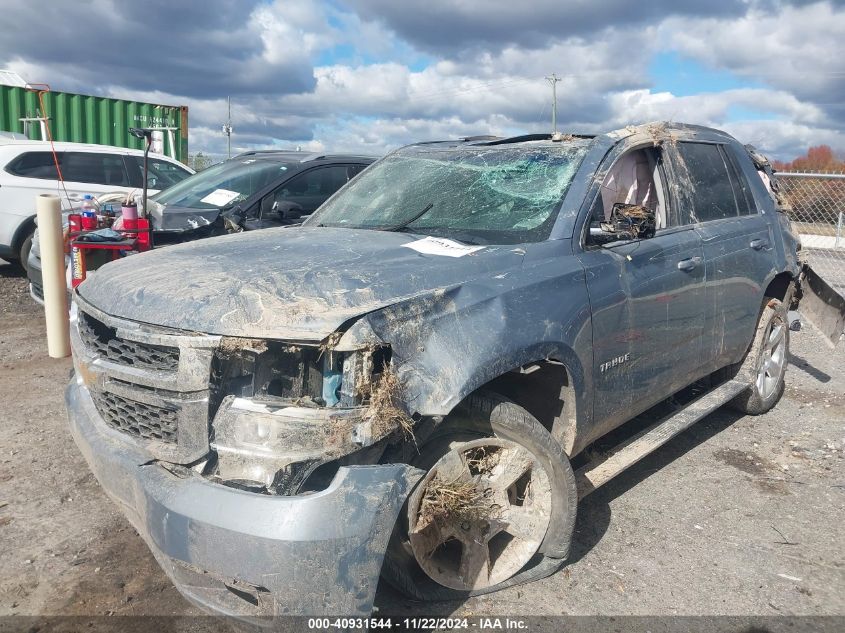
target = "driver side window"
x: 634, y: 179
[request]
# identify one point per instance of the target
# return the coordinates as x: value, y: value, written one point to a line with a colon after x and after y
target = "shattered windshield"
x: 223, y: 185
x: 482, y: 195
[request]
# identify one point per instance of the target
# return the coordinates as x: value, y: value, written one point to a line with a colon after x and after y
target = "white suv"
x: 27, y: 168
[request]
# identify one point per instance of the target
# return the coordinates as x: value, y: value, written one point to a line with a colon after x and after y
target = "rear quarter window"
x: 742, y: 190
x: 34, y: 165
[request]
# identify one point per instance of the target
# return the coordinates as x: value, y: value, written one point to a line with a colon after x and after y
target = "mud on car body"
x: 401, y: 385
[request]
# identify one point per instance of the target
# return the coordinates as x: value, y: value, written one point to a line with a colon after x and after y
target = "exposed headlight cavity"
x: 282, y: 410
x: 304, y: 373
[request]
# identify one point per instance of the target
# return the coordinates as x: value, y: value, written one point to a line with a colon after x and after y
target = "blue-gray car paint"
x: 626, y: 323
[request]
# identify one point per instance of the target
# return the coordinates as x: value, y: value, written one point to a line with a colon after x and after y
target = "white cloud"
x: 784, y: 139
x: 291, y: 29
x: 797, y: 49
x: 636, y: 106
x: 325, y: 76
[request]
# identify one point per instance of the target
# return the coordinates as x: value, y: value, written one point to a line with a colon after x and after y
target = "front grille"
x: 137, y: 418
x: 103, y: 341
x: 37, y: 290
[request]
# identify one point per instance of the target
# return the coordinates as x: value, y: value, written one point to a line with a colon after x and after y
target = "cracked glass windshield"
x: 488, y: 195
x: 223, y: 185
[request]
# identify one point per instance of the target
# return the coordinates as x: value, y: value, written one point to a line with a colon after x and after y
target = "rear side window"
x: 35, y: 165
x: 710, y: 195
x: 94, y: 168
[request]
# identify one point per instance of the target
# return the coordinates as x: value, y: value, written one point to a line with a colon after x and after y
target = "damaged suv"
x: 406, y: 384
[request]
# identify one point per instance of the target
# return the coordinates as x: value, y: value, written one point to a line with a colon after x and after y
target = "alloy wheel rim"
x: 480, y: 514
x: 772, y: 361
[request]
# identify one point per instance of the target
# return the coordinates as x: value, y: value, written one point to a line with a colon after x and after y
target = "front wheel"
x: 495, y: 508
x: 764, y: 366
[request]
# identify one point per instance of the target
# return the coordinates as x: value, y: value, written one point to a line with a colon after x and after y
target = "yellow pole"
x: 53, y: 274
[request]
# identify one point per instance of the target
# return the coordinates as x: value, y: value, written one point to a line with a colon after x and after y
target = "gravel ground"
x: 737, y: 516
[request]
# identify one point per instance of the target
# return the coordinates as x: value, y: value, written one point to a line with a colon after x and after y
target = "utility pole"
x: 553, y: 81
x: 227, y: 128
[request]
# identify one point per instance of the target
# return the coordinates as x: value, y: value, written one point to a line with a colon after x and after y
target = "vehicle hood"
x: 298, y: 283
x: 178, y: 219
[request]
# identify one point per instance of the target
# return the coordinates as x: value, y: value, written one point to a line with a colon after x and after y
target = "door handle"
x: 758, y: 245
x: 688, y: 264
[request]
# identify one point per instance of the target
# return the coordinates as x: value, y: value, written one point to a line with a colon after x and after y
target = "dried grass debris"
x: 453, y: 501
x: 387, y: 408
x: 481, y: 461
x: 234, y: 344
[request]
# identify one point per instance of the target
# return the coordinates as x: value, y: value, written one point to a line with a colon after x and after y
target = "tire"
x: 764, y: 365
x: 23, y: 251
x: 489, y: 419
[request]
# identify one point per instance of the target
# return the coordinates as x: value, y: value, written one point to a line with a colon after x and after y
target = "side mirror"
x: 627, y: 222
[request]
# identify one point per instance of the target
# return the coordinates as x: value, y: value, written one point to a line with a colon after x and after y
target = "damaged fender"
x: 451, y: 342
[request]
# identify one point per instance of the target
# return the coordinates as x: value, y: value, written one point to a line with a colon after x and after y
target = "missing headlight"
x: 303, y: 373
x: 360, y: 372
x: 267, y: 369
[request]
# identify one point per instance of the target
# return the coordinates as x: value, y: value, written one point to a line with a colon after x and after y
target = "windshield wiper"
x: 402, y: 225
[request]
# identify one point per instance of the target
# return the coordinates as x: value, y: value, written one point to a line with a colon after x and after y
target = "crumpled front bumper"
x: 244, y: 554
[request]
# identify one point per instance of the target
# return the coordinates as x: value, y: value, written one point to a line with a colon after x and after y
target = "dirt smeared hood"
x: 289, y: 283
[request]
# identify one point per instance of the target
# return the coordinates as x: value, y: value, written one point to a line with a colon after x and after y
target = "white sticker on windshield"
x: 442, y: 246
x: 219, y: 197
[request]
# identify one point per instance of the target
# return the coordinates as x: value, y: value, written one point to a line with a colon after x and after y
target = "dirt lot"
x: 738, y: 516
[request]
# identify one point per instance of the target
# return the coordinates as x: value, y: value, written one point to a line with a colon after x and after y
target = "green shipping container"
x: 101, y: 120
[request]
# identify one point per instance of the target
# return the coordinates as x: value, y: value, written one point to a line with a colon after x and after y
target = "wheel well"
x: 544, y: 389
x: 779, y: 286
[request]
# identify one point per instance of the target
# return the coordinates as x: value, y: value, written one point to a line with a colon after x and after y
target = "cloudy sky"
x: 369, y: 75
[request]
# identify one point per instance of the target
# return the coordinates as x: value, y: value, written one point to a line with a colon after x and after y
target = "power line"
x: 227, y: 128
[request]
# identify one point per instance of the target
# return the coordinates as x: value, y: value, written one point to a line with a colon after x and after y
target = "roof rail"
x: 253, y: 152
x: 480, y: 137
x: 521, y: 139
x: 535, y: 137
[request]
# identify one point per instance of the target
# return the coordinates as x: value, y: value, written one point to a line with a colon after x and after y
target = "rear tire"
x: 510, y: 433
x: 764, y: 365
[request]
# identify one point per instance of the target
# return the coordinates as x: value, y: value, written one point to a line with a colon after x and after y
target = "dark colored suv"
x: 253, y: 190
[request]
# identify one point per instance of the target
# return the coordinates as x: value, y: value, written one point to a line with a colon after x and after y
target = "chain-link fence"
x: 818, y: 214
